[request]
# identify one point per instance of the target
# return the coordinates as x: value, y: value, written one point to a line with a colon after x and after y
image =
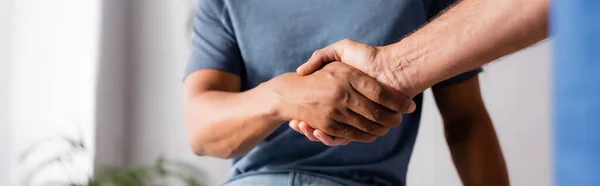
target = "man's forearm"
x: 226, y: 124
x: 476, y: 152
x: 469, y: 35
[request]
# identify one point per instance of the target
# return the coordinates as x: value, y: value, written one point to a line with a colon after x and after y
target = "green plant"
x: 142, y: 175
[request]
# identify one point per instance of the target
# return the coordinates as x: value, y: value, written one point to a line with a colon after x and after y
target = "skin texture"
x: 471, y: 34
x: 223, y: 122
x: 215, y: 109
x: 463, y: 38
x: 468, y: 129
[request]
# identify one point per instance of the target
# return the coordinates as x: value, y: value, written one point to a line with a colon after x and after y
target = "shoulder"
x: 211, y: 7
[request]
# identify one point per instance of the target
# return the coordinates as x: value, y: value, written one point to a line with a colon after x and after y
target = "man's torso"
x: 275, y: 37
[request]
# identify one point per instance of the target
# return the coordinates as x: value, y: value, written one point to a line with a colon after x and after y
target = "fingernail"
x: 299, y: 69
x: 317, y: 136
x: 412, y: 107
x: 302, y: 130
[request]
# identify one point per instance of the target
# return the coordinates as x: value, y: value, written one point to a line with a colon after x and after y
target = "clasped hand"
x: 340, y: 102
x: 379, y: 65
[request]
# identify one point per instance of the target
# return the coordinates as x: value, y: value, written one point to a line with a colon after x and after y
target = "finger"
x: 381, y: 94
x: 319, y: 58
x: 308, y: 131
x: 326, y: 139
x: 341, y: 130
x: 372, y: 112
x: 336, y: 140
x: 362, y: 123
x: 332, y: 141
x: 294, y: 125
x: 329, y: 140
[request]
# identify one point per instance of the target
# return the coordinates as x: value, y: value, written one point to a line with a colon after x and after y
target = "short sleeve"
x: 214, y: 44
x: 460, y: 78
x: 435, y: 7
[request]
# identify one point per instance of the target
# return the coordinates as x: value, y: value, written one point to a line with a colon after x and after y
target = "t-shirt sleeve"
x: 214, y: 44
x: 436, y: 7
x: 459, y: 78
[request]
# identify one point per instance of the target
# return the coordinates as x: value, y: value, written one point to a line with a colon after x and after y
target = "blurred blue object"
x: 575, y: 27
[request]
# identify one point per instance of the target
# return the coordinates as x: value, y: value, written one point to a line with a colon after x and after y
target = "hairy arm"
x: 472, y: 33
x: 470, y: 134
x: 220, y: 120
x: 468, y: 35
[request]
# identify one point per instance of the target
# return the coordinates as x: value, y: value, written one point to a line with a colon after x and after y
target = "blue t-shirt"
x: 261, y: 39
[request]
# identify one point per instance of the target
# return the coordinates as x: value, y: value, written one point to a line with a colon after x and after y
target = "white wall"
x: 159, y: 51
x: 515, y: 90
x: 54, y: 54
x: 518, y: 93
x: 5, y: 66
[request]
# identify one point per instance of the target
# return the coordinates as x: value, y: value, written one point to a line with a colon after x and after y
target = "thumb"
x: 319, y: 59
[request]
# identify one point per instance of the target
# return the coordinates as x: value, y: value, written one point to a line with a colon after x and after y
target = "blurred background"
x: 108, y: 74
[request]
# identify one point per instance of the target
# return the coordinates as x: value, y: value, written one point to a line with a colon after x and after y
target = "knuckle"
x: 354, y: 103
x: 353, y: 73
x: 376, y: 114
x: 362, y: 82
x: 346, y: 41
x: 378, y: 92
x: 318, y: 52
x: 331, y: 127
x: 340, y: 94
x: 330, y: 114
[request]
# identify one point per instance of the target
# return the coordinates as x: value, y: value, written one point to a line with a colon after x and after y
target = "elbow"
x: 203, y: 144
x: 200, y: 141
x: 206, y: 149
x: 206, y: 138
x: 197, y: 147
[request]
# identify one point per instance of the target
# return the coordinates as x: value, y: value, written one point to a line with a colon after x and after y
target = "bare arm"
x: 472, y: 33
x: 470, y: 134
x: 220, y: 120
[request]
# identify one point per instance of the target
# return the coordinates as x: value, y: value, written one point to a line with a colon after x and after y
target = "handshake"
x: 358, y: 99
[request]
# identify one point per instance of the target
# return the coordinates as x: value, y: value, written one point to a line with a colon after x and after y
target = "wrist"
x: 272, y: 94
x: 269, y: 103
x: 402, y: 68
